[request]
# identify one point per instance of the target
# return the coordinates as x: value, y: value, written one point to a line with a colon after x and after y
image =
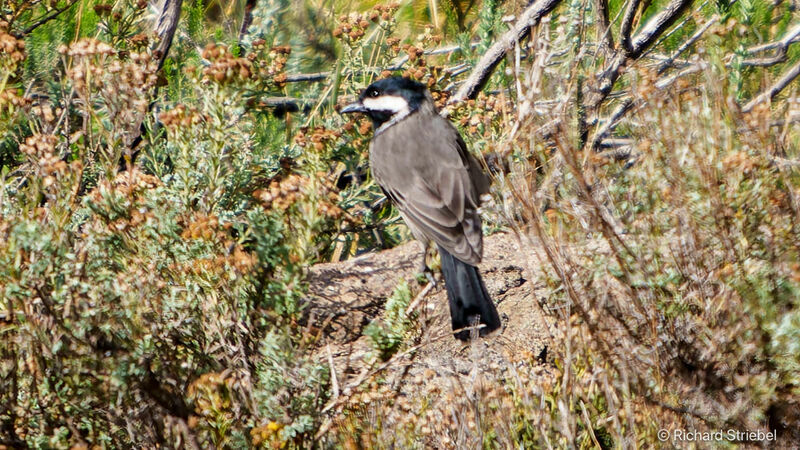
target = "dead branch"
x: 678, y: 27
x: 785, y: 163
x: 775, y: 89
x: 780, y: 123
x: 334, y: 381
x: 781, y: 45
x: 247, y: 19
x: 605, y: 37
x: 762, y: 62
x: 167, y: 24
x: 44, y: 19
x: 605, y: 80
x: 485, y: 66
x: 300, y: 77
x: 640, y: 42
x: 600, y: 139
x: 627, y: 24
x: 616, y: 143
x: 687, y: 68
x: 664, y: 82
x: 657, y: 25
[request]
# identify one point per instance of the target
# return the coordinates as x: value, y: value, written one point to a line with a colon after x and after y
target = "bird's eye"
x: 374, y: 93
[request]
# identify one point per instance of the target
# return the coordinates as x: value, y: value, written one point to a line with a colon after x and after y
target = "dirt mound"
x: 345, y: 297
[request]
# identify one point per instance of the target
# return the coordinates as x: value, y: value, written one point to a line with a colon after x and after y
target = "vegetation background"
x: 169, y: 171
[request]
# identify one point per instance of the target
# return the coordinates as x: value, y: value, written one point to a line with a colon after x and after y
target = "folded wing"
x: 426, y: 170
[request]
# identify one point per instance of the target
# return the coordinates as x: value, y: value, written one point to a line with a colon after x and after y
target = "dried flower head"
x: 225, y: 67
x: 182, y: 116
x: 282, y: 193
x: 12, y: 50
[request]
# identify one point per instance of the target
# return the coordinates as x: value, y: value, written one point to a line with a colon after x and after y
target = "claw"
x: 429, y: 275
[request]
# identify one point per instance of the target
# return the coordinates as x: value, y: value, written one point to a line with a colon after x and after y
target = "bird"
x: 422, y: 164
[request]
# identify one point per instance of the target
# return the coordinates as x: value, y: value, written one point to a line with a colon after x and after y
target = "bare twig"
x: 287, y: 103
x: 611, y: 123
x: 419, y: 298
x: 677, y: 62
x: 589, y: 423
x: 782, y: 123
x: 782, y: 45
x: 483, y: 69
x: 665, y: 82
x: 366, y: 372
x: 786, y: 163
x: 605, y: 80
x: 775, y: 89
x: 689, y: 42
x: 334, y: 380
x: 46, y: 18
x: 396, y: 65
x: 790, y: 37
x: 616, y: 143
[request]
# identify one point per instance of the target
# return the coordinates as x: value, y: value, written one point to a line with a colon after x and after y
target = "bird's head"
x: 388, y: 99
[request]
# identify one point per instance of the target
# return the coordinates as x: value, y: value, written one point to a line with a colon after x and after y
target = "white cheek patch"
x: 391, y: 103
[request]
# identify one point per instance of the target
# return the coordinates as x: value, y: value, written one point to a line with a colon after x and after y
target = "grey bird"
x: 423, y: 166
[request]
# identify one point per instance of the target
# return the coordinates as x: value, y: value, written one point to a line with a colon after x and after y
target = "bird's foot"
x: 425, y: 273
x: 428, y: 273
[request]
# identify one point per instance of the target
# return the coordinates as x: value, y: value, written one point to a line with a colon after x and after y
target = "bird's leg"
x: 424, y: 269
x: 428, y: 272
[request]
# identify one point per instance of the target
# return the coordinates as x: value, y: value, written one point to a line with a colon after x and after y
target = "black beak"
x: 354, y: 107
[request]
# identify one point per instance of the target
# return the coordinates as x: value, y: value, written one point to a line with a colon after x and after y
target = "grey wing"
x: 434, y: 182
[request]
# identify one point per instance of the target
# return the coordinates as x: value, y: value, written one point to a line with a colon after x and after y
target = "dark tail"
x: 468, y: 296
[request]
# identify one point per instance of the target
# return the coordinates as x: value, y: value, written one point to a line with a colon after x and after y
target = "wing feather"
x: 423, y: 165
